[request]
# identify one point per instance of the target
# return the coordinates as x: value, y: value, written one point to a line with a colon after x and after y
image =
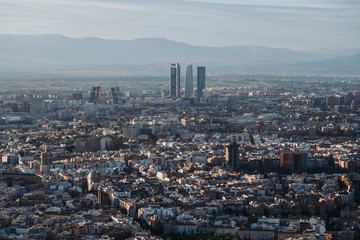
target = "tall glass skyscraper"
x: 189, y: 81
x: 174, y: 90
x: 116, y: 96
x: 200, y: 81
x: 94, y: 95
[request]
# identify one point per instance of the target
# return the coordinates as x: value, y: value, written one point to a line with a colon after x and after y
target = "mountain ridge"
x: 54, y: 49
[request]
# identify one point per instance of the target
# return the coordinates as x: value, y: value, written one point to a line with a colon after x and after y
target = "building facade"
x: 116, y: 96
x: 94, y: 95
x: 200, y: 81
x: 232, y: 155
x: 189, y: 81
x: 174, y: 90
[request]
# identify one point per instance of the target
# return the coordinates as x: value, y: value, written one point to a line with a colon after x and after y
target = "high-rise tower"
x: 116, y: 96
x: 200, y: 81
x: 189, y: 81
x: 174, y: 90
x: 232, y: 155
x: 94, y: 95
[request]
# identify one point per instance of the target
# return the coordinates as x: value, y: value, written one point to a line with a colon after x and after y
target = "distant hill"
x: 343, y: 65
x: 24, y: 51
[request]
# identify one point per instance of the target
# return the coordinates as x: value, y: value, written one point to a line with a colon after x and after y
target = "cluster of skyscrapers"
x: 94, y: 95
x: 115, y: 95
x: 174, y: 84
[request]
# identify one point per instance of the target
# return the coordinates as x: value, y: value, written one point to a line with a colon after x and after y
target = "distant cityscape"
x: 276, y: 161
x: 180, y: 120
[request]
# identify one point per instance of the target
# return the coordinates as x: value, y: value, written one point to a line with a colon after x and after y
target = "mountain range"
x: 49, y: 50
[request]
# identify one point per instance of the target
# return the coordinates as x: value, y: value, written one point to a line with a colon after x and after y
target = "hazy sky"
x: 295, y: 24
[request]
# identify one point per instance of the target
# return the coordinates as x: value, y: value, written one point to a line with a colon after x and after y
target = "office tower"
x: 189, y: 81
x: 89, y: 110
x: 293, y: 161
x: 37, y: 106
x: 200, y: 81
x: 287, y: 160
x: 172, y: 84
x: 300, y: 161
x: 25, y: 106
x: 116, y: 96
x: 46, y: 159
x: 94, y: 95
x: 232, y: 155
x: 77, y: 96
x: 330, y: 101
x: 177, y: 80
x: 357, y: 97
x: 104, y: 197
x: 174, y: 90
x: 349, y: 98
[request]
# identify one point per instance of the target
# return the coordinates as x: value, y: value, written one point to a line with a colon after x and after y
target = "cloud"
x: 297, y: 24
x: 286, y: 3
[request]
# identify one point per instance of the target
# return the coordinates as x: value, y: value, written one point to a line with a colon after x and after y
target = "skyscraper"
x: 172, y: 83
x: 174, y: 90
x: 115, y: 93
x: 94, y: 95
x: 200, y: 81
x: 189, y: 81
x: 232, y: 155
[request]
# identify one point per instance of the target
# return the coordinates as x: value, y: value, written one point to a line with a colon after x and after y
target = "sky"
x: 293, y: 24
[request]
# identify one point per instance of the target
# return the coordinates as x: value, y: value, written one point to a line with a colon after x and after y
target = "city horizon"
x: 181, y: 119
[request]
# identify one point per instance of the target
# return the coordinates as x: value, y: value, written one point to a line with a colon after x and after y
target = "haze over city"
x: 298, y: 24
